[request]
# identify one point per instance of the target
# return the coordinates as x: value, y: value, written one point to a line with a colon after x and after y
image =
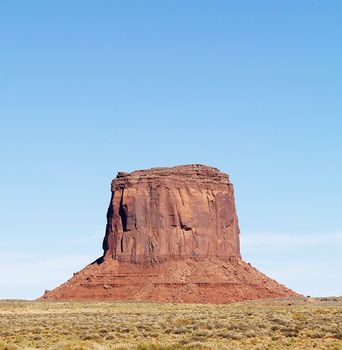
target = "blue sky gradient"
x: 88, y: 88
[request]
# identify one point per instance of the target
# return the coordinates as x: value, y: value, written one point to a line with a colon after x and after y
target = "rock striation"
x: 171, y: 214
x: 172, y: 234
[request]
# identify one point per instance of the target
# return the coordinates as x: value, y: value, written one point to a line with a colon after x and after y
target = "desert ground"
x: 288, y: 323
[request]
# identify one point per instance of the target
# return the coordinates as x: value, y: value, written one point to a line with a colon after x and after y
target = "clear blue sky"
x: 88, y: 88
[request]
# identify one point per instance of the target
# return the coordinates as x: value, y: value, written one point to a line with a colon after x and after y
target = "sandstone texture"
x: 171, y: 214
x: 172, y: 235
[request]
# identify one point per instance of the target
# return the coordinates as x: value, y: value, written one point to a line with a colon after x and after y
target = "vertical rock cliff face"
x: 172, y: 235
x: 171, y: 214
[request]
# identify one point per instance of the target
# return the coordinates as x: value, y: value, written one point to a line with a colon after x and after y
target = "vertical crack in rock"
x: 123, y: 217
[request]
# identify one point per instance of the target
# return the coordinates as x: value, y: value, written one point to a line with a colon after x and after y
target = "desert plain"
x: 284, y: 323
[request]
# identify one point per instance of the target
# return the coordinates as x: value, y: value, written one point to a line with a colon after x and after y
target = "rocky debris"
x: 172, y: 235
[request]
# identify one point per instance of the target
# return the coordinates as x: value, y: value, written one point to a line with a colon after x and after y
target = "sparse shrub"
x: 180, y: 330
x: 316, y: 335
x: 4, y: 346
x: 338, y: 335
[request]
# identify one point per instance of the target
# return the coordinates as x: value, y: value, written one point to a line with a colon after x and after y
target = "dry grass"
x: 278, y: 324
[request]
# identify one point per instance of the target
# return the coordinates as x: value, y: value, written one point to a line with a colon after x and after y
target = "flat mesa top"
x: 186, y: 173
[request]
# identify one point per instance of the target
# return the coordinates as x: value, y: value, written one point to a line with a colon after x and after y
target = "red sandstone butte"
x: 172, y: 235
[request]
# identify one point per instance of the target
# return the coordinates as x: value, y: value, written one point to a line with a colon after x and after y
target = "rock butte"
x: 172, y: 235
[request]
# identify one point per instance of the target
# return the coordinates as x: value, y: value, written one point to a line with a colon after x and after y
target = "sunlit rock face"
x: 171, y: 214
x: 172, y: 235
